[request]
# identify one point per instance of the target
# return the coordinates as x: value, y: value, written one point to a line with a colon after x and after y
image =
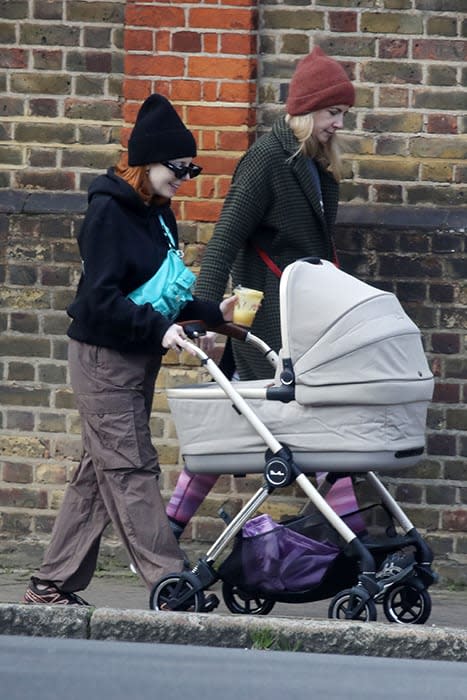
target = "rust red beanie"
x: 318, y: 82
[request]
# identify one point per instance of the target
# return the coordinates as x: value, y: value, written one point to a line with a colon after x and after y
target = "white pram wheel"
x: 406, y: 604
x: 240, y: 602
x: 349, y: 605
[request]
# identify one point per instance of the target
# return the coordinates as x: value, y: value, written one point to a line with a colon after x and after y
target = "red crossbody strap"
x: 267, y: 260
x: 276, y: 270
x: 334, y: 253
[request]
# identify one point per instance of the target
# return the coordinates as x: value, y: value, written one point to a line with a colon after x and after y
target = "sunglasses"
x: 180, y: 171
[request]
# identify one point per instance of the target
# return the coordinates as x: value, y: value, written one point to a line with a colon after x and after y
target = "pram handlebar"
x: 197, y: 329
x: 232, y: 330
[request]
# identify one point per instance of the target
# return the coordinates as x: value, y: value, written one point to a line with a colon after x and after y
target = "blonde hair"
x: 328, y: 155
x: 137, y: 177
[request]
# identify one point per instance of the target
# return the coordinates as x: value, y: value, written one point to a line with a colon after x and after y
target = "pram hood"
x: 348, y: 342
x: 362, y: 385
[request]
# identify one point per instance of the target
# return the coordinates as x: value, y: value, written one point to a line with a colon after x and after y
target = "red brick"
x: 163, y: 86
x: 189, y: 90
x: 154, y: 65
x: 208, y: 140
x: 188, y: 188
x: 221, y: 19
x: 455, y: 520
x: 203, y: 211
x: 215, y: 164
x: 130, y: 110
x: 442, y: 124
x: 210, y: 91
x: 124, y: 136
x: 235, y: 140
x: 244, y: 91
x: 211, y: 43
x: 207, y: 187
x: 223, y: 186
x: 163, y: 40
x: 13, y: 58
x: 228, y: 68
x: 134, y: 89
x: 344, y: 21
x: 163, y: 16
x: 186, y: 42
x: 138, y: 40
x: 239, y: 44
x: 220, y: 116
x: 176, y: 205
x: 238, y: 3
x: 196, y: 132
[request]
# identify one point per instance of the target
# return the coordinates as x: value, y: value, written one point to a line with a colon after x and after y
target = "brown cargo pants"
x: 117, y: 478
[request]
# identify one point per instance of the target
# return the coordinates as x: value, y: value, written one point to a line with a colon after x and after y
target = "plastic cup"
x: 249, y: 301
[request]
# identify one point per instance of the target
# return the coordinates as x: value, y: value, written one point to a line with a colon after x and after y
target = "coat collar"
x: 300, y: 167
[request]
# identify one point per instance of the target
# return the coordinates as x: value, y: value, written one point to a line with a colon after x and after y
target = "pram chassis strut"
x: 275, y: 448
x: 357, y: 602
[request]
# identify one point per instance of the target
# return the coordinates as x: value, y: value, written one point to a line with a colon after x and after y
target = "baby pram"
x: 350, y: 397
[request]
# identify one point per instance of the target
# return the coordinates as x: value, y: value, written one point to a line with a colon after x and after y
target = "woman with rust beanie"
x: 281, y: 206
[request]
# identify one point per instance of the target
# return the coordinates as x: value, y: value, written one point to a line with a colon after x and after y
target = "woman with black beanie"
x: 115, y: 352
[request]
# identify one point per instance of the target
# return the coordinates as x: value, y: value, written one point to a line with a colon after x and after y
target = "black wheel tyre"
x: 407, y: 605
x: 241, y: 603
x: 175, y: 593
x: 348, y: 605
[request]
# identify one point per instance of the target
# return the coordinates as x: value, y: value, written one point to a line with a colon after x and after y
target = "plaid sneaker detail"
x: 50, y: 595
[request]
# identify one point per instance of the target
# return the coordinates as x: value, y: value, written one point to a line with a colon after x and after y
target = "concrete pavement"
x: 121, y: 612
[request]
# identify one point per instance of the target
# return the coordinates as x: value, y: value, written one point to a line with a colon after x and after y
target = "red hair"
x: 137, y: 177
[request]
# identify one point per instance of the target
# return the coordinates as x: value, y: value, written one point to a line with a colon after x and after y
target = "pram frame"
x: 203, y: 573
x: 274, y: 446
x: 378, y: 382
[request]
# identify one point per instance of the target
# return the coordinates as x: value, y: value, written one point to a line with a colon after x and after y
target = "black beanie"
x: 159, y: 134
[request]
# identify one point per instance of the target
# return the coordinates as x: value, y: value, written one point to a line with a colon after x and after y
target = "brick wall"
x: 203, y: 57
x: 407, y: 140
x: 72, y: 75
x: 61, y: 72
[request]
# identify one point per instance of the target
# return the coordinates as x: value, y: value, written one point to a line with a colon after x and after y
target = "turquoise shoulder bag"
x: 171, y: 287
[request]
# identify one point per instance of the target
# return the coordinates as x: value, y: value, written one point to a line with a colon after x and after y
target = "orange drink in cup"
x: 249, y: 301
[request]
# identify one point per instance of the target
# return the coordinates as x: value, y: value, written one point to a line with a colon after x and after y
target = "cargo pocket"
x: 116, y: 431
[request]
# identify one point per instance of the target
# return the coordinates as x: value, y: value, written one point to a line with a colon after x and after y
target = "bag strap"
x: 276, y: 270
x: 335, y: 258
x: 267, y: 260
x: 170, y: 238
x: 167, y: 233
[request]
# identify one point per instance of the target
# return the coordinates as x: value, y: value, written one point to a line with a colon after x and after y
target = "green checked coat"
x: 274, y: 203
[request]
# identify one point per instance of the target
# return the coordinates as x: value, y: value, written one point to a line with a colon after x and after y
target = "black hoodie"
x: 122, y: 245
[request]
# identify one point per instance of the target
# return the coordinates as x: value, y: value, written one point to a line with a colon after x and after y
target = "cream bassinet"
x: 350, y: 392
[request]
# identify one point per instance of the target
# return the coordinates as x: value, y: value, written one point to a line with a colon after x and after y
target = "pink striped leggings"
x: 191, y: 490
